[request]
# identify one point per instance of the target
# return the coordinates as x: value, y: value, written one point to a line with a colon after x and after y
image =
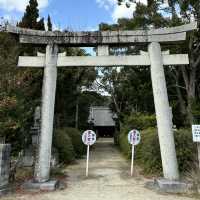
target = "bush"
x: 63, y: 144
x: 193, y: 176
x: 148, y: 151
x: 185, y: 149
x: 125, y: 147
x: 78, y: 145
x: 140, y: 121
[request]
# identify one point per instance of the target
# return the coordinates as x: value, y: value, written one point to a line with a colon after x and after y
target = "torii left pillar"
x: 42, y: 169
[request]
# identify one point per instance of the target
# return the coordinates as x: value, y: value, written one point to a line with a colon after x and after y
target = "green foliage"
x: 130, y: 88
x: 125, y: 147
x: 17, y: 100
x: 30, y: 18
x: 193, y: 176
x: 185, y: 149
x: 63, y: 143
x: 69, y: 144
x: 196, y: 110
x: 40, y: 24
x: 19, y: 89
x: 69, y: 94
x: 77, y: 143
x: 148, y: 151
x: 140, y: 121
x: 70, y: 82
x: 134, y: 91
x: 49, y: 23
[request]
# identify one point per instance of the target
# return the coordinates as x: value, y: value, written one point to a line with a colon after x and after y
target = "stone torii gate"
x: 103, y: 40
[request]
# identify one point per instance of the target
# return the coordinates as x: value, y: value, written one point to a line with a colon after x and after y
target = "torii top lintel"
x: 95, y: 38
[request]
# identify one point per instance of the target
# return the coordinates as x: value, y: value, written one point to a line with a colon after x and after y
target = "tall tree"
x: 49, y: 23
x: 69, y: 91
x: 18, y: 94
x: 190, y: 10
x: 40, y: 24
x: 31, y: 15
x: 183, y: 83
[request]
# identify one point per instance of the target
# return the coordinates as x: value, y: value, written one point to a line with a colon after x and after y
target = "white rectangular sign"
x: 196, y: 133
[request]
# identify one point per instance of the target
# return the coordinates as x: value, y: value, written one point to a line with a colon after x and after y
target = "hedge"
x: 148, y: 151
x: 63, y: 143
x: 69, y: 144
x: 139, y: 121
x: 75, y: 136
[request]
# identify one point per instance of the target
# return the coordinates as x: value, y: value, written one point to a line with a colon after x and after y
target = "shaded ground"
x: 109, y: 179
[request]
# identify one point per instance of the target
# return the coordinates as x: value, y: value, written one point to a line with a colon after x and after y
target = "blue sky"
x: 72, y: 14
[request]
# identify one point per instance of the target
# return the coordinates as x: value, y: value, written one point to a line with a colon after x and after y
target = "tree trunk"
x: 191, y: 100
x: 190, y: 75
x: 182, y: 104
x: 181, y: 101
x: 77, y: 113
x: 190, y: 79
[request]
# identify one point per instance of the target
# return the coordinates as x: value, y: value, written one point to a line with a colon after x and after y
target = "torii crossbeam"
x: 102, y: 61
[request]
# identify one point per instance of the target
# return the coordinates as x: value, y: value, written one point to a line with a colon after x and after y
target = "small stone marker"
x: 196, y: 138
x: 134, y: 139
x: 88, y: 138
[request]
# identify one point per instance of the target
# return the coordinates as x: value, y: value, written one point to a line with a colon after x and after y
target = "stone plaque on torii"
x: 103, y: 40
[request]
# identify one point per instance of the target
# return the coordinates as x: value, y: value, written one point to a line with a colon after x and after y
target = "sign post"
x: 88, y: 157
x: 134, y: 139
x: 132, y: 160
x: 196, y: 138
x: 88, y: 138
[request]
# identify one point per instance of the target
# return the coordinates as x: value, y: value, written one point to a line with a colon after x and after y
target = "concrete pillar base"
x: 50, y: 185
x: 167, y: 186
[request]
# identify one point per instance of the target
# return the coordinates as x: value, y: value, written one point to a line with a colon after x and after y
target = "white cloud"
x: 106, y: 4
x: 118, y: 11
x: 123, y: 11
x: 20, y: 5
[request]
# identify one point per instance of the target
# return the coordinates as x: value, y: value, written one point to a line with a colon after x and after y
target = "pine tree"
x: 49, y: 23
x: 40, y: 24
x: 31, y: 15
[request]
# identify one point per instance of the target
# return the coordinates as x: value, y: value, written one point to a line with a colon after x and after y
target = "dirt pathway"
x: 108, y: 180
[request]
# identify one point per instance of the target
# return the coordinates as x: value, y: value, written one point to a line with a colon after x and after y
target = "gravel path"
x: 109, y: 179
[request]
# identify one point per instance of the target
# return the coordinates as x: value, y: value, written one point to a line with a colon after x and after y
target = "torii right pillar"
x: 163, y: 115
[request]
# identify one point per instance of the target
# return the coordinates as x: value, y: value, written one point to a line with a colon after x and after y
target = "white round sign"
x: 134, y: 137
x: 89, y: 137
